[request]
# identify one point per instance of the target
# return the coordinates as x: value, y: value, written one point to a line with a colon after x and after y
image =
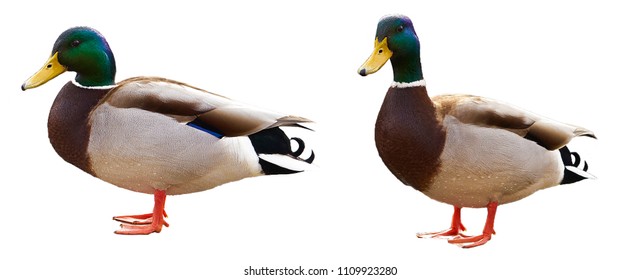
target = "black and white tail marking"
x: 572, y: 171
x: 274, y: 141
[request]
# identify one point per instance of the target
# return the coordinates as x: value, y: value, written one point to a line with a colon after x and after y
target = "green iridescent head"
x: 396, y: 40
x: 82, y: 50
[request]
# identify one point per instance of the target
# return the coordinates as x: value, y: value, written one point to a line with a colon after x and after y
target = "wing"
x: 486, y: 112
x: 185, y: 103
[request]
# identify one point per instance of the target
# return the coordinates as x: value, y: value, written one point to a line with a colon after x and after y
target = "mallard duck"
x: 154, y: 135
x: 463, y: 150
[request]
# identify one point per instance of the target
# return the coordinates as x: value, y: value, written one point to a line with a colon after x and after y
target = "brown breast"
x: 409, y: 137
x: 68, y: 123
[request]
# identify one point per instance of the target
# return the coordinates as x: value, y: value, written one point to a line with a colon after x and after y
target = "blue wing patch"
x: 198, y: 124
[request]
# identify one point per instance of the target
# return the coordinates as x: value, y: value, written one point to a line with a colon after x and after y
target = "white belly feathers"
x: 142, y: 151
x: 482, y: 164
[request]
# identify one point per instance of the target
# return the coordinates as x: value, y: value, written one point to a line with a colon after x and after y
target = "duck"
x: 155, y: 135
x: 463, y: 150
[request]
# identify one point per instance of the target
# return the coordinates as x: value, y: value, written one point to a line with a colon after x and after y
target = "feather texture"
x: 186, y: 103
x: 481, y: 111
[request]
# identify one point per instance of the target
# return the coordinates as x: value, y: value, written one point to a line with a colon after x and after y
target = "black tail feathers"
x: 571, y: 161
x: 275, y: 141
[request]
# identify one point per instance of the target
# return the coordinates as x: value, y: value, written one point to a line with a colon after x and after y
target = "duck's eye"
x: 75, y: 43
x: 400, y: 28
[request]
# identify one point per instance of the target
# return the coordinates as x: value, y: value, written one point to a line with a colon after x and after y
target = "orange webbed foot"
x: 145, y: 223
x: 467, y: 242
x: 475, y: 241
x: 453, y: 231
x: 143, y: 219
x: 447, y: 233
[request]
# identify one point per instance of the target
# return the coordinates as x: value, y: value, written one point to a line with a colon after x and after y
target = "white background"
x: 571, y: 61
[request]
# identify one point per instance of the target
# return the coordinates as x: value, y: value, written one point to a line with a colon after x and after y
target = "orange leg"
x: 145, y: 223
x: 456, y: 227
x: 473, y: 241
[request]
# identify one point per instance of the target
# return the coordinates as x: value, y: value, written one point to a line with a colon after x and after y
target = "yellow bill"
x: 378, y: 58
x: 50, y: 70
